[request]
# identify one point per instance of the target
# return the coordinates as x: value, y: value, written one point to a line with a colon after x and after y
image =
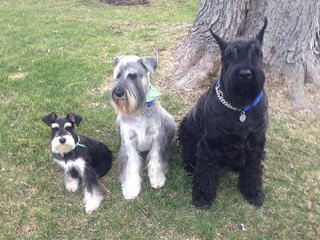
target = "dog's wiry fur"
x: 80, y: 158
x: 211, y: 136
x: 140, y: 133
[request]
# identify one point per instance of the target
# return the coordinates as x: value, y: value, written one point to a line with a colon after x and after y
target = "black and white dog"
x: 227, y: 127
x: 80, y: 157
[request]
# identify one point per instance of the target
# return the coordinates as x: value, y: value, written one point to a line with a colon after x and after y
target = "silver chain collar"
x: 223, y: 101
x: 242, y: 117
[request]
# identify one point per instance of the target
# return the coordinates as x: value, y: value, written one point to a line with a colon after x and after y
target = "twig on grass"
x: 15, y: 121
x: 69, y: 85
x: 155, y: 50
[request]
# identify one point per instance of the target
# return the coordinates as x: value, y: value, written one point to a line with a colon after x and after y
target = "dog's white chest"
x: 78, y: 164
x: 140, y: 133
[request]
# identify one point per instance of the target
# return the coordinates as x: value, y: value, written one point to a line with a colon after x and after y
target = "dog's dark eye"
x: 68, y: 128
x: 230, y: 55
x: 54, y: 129
x: 118, y: 75
x: 132, y: 76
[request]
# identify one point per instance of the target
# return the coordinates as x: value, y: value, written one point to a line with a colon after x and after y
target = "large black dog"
x: 227, y: 126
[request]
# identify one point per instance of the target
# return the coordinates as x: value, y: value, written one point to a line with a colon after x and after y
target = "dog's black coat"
x: 98, y: 157
x: 211, y: 136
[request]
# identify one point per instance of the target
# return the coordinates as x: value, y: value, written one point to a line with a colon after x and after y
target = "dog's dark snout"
x: 118, y: 91
x: 245, y: 73
x: 62, y: 140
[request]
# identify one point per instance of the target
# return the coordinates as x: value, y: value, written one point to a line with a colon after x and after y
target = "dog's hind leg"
x: 92, y: 195
x: 71, y: 180
x: 188, y: 147
x: 130, y: 166
x: 250, y: 179
x: 101, y: 160
x: 206, y: 174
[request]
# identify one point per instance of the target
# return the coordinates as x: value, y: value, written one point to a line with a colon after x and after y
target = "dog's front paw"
x: 158, y: 181
x: 201, y: 200
x: 256, y: 199
x: 201, y: 203
x: 156, y: 171
x: 92, y: 201
x: 130, y: 191
x: 72, y: 184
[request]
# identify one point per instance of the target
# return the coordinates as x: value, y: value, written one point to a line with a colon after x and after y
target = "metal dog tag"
x: 243, y: 116
x: 148, y: 112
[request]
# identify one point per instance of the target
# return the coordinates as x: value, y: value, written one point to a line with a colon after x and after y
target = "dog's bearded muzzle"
x: 124, y: 100
x: 62, y: 144
x: 245, y: 75
x: 248, y: 74
x: 245, y: 83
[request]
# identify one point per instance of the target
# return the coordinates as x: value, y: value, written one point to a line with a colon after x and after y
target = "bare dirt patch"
x: 18, y: 75
x: 126, y: 2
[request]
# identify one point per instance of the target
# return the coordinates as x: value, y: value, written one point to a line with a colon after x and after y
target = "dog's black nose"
x: 118, y: 91
x: 245, y: 73
x: 62, y: 140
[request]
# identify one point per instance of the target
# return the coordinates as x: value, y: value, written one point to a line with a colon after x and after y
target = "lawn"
x: 58, y: 56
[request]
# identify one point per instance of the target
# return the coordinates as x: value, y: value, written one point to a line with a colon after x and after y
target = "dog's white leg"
x: 92, y: 199
x: 156, y: 168
x: 92, y: 195
x: 130, y: 172
x: 71, y: 183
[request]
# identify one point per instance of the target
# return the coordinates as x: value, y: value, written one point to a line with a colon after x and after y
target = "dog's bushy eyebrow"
x: 67, y: 124
x: 131, y: 71
x: 251, y: 44
x: 247, y: 42
x: 54, y: 125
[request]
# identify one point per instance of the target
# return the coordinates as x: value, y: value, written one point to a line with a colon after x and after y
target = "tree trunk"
x: 291, y: 42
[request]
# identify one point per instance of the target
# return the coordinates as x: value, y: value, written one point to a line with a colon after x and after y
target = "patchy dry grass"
x: 58, y: 56
x: 18, y: 75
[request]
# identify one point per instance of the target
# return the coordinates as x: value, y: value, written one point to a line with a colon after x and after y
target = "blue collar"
x: 148, y: 112
x: 149, y: 104
x: 247, y: 107
x: 254, y: 103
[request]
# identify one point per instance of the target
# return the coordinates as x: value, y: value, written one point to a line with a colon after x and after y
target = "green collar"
x: 78, y: 144
x: 152, y: 94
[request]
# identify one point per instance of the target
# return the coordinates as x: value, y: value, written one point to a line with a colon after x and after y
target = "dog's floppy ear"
x: 50, y: 118
x: 261, y: 33
x: 222, y: 44
x: 74, y: 118
x: 149, y: 63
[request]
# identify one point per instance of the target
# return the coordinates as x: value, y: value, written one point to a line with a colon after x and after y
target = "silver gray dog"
x: 144, y: 126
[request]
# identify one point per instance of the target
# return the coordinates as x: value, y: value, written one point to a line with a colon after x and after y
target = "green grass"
x: 57, y: 56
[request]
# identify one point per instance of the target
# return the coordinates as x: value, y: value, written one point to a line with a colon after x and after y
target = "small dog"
x: 227, y: 127
x: 144, y: 126
x: 80, y: 157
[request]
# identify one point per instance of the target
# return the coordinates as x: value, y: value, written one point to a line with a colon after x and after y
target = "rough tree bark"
x: 291, y: 42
